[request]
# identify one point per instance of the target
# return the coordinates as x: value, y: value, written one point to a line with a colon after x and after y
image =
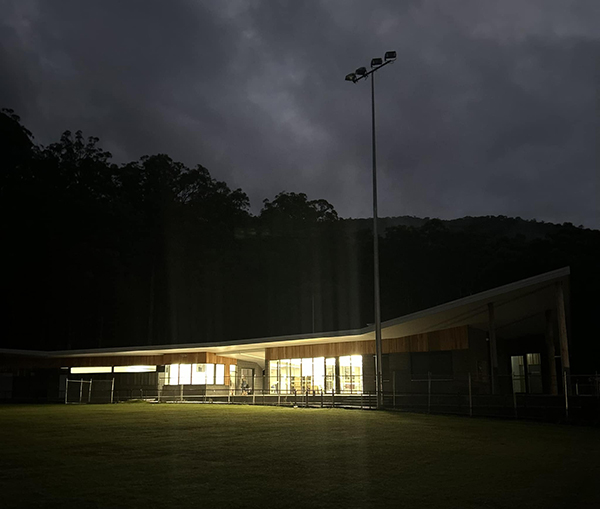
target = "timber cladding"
x: 456, y: 338
x: 128, y: 360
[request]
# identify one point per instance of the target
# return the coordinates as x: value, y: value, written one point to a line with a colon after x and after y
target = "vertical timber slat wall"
x: 152, y: 360
x: 456, y: 338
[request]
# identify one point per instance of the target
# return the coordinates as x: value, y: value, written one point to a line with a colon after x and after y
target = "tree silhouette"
x: 153, y: 252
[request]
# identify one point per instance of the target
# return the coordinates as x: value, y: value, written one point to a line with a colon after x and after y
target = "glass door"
x: 517, y: 363
x: 247, y: 381
x: 534, y: 373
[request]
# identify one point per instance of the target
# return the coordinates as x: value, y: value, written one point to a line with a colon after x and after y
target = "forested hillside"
x: 152, y: 252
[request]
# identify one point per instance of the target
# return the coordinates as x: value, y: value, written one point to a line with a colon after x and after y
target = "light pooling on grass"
x: 136, y: 455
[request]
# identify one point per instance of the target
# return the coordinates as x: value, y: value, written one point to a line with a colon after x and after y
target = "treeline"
x: 152, y: 252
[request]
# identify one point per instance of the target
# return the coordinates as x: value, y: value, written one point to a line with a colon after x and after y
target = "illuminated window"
x: 274, y: 377
x: 210, y: 374
x: 88, y: 371
x: 185, y: 374
x: 285, y: 376
x: 232, y: 375
x: 220, y: 374
x: 135, y: 369
x: 296, y: 375
x: 308, y: 374
x: 351, y: 374
x: 330, y: 374
x: 172, y: 374
x: 318, y: 374
x: 198, y: 374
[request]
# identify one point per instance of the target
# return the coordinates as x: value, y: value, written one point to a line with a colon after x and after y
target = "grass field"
x: 217, y: 456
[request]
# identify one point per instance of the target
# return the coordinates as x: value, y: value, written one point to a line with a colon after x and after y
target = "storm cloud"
x: 490, y: 108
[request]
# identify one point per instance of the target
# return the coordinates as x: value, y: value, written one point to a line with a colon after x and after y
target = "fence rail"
x: 574, y: 397
x: 577, y: 397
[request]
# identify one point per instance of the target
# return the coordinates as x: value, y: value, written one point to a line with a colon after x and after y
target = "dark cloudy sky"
x: 491, y: 107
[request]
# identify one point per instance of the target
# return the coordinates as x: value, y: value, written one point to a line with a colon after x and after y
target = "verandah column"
x: 493, y: 347
x: 562, y: 329
x: 551, y: 352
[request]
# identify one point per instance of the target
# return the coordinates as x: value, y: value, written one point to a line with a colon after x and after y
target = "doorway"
x: 247, y: 380
x: 526, y: 373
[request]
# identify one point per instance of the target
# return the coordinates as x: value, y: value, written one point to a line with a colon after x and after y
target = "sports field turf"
x: 217, y: 456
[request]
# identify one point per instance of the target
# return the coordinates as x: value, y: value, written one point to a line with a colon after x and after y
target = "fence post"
x: 429, y: 392
x: 90, y: 391
x: 361, y: 401
x: 470, y: 397
x: 515, y: 404
x: 66, y: 389
x: 112, y: 390
x: 180, y: 392
x: 263, y: 390
x: 566, y: 394
x: 394, y: 389
x: 333, y: 398
x: 80, y: 389
x: 321, y: 398
x: 254, y: 393
x: 306, y: 398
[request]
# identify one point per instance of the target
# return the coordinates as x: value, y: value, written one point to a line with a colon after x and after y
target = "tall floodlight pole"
x: 359, y: 74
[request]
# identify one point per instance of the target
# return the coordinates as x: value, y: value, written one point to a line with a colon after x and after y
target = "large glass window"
x: 220, y: 374
x: 330, y: 374
x: 273, y: 377
x: 185, y: 374
x: 317, y: 374
x: 196, y: 374
x: 134, y: 369
x: 210, y: 374
x: 296, y: 375
x: 351, y: 374
x: 307, y: 375
x: 172, y: 374
x: 232, y: 376
x: 97, y: 369
x: 285, y: 376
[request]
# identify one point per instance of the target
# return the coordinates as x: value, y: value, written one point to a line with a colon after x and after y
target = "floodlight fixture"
x: 376, y: 61
x: 390, y: 55
x: 361, y: 71
x: 351, y: 77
